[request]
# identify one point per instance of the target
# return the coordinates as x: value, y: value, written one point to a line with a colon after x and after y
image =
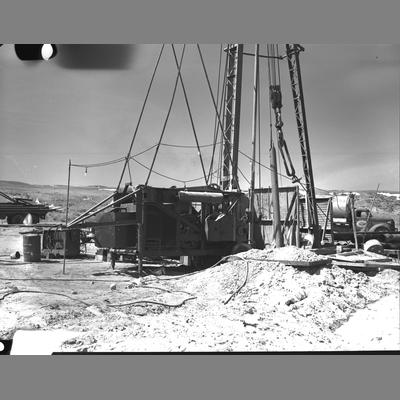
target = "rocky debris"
x: 133, y: 284
x: 278, y: 307
x: 94, y: 310
x: 299, y: 295
x: 288, y: 253
x: 13, y: 289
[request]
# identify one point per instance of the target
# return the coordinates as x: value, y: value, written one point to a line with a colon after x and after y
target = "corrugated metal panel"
x: 322, y: 211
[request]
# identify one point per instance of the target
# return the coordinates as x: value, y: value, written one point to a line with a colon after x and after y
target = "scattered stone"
x: 94, y: 310
x: 296, y: 297
x: 113, y: 286
x: 140, y: 311
x: 74, y: 292
x: 288, y: 253
x: 250, y: 320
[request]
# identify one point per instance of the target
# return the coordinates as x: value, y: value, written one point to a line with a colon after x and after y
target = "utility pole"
x: 253, y: 142
x: 66, y: 215
x: 292, y: 52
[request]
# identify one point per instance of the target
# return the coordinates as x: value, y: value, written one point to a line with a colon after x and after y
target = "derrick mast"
x: 233, y: 89
x: 292, y: 51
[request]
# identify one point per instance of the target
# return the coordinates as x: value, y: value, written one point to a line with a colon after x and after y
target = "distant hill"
x: 18, y: 185
x: 13, y: 183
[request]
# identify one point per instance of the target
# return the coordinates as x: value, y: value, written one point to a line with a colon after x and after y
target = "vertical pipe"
x: 140, y: 212
x: 277, y: 231
x: 66, y: 213
x: 253, y: 144
x: 297, y: 217
x: 140, y: 247
x: 353, y: 221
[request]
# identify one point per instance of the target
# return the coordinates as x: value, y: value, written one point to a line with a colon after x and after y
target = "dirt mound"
x: 249, y: 303
x: 289, y: 253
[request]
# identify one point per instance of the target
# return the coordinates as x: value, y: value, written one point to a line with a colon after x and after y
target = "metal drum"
x: 341, y: 207
x: 31, y: 247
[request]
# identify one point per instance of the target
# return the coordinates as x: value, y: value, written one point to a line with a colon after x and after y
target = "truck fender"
x: 380, y: 228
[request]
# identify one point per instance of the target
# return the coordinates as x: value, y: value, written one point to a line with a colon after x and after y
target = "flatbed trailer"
x: 16, y: 209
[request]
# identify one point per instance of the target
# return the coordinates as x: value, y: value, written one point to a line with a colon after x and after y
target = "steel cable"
x: 141, y: 114
x: 167, y: 116
x: 190, y: 114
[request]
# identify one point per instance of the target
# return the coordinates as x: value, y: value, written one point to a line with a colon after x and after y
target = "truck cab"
x: 367, y: 222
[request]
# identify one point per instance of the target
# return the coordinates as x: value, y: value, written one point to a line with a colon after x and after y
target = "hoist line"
x: 102, y: 164
x: 263, y: 165
x: 320, y: 209
x: 118, y: 160
x: 278, y: 65
x: 167, y: 176
x: 276, y: 103
x: 129, y: 171
x: 187, y: 146
x: 140, y: 116
x: 167, y: 116
x: 278, y: 83
x: 259, y: 144
x: 190, y: 114
x: 269, y: 102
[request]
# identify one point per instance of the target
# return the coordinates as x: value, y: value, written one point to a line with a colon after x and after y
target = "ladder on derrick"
x: 292, y: 52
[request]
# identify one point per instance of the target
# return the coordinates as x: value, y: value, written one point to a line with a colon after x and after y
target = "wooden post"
x: 297, y: 217
x: 140, y: 247
x: 353, y: 221
x: 277, y: 231
x: 66, y: 214
x: 328, y: 211
x: 288, y: 214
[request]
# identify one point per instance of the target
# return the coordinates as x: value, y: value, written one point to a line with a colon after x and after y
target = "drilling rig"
x: 204, y: 223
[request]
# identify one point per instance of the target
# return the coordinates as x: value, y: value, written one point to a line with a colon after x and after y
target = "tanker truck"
x: 366, y: 224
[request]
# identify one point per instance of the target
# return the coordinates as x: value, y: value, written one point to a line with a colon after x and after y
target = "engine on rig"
x: 197, y: 221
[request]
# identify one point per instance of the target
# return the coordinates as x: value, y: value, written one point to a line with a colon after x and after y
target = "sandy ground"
x: 240, y: 305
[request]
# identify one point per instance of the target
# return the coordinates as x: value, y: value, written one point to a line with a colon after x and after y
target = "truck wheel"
x: 380, y: 228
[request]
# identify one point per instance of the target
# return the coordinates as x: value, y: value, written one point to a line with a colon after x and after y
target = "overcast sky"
x: 54, y: 111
